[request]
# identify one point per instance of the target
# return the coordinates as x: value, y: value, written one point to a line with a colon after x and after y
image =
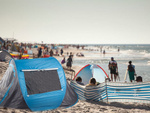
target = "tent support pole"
x: 106, y: 89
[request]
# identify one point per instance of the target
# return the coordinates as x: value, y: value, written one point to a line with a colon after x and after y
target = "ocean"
x: 139, y: 55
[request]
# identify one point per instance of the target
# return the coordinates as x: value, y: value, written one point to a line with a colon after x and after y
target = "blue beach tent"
x: 36, y: 84
x: 5, y: 56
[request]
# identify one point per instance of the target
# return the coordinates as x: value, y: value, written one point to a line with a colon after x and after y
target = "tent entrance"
x: 41, y: 81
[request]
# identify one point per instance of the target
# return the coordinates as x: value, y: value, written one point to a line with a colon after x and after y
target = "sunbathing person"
x: 79, y: 80
x: 92, y: 82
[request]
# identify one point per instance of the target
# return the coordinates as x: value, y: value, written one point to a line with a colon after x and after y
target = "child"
x: 63, y: 61
x: 92, y: 82
x: 79, y: 80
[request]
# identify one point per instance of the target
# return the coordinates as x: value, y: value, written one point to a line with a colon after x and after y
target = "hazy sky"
x: 76, y: 21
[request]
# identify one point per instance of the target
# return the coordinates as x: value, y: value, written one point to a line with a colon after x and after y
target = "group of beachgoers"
x: 45, y: 51
x: 69, y: 61
x: 112, y: 66
x: 92, y: 81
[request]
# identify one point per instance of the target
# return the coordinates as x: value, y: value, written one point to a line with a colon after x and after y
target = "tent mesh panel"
x: 42, y: 81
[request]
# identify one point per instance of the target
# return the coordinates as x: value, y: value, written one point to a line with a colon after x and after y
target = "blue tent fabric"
x: 52, y: 99
x: 5, y: 56
x: 10, y: 89
x: 40, y: 101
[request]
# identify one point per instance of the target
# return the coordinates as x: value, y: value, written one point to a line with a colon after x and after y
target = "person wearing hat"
x: 131, y: 71
x: 112, y: 66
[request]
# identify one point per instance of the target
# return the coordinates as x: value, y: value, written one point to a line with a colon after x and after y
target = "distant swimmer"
x: 118, y: 49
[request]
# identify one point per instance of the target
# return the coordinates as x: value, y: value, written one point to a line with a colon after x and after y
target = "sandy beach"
x: 83, y: 106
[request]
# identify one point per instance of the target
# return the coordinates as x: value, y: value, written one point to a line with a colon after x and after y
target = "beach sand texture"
x: 84, y: 106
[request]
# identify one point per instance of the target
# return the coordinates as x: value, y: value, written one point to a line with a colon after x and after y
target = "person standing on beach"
x: 71, y: 55
x: 39, y: 52
x: 104, y: 52
x: 69, y: 62
x: 112, y: 66
x: 51, y: 52
x: 131, y: 71
x: 61, y: 52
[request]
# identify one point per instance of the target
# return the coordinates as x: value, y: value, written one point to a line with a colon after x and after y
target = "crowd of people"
x: 112, y: 66
x: 45, y: 51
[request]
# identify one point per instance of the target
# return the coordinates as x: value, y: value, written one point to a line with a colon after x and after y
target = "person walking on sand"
x: 131, y: 71
x: 112, y: 66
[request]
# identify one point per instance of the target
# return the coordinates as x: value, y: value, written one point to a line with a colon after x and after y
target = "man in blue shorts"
x: 112, y: 66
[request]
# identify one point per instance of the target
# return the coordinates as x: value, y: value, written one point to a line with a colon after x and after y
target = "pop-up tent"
x: 5, y: 56
x: 92, y: 71
x: 36, y: 84
x: 96, y: 93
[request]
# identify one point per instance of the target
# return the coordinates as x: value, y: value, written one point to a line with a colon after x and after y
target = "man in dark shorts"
x: 112, y: 66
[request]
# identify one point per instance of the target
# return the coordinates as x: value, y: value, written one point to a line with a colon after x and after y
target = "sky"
x: 76, y: 21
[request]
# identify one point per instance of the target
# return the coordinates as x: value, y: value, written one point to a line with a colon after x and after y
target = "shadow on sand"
x: 124, y: 105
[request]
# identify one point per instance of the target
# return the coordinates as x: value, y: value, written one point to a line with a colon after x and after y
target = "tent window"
x: 42, y: 81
